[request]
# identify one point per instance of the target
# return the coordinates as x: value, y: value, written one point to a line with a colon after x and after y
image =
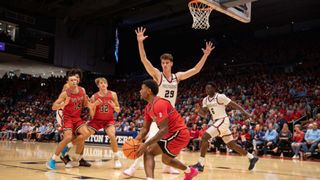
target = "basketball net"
x: 200, y: 14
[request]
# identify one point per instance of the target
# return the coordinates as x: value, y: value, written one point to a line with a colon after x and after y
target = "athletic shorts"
x: 221, y: 128
x: 73, y: 124
x: 95, y: 124
x: 172, y: 143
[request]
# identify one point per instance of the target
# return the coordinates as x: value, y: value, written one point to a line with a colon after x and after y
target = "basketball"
x: 130, y: 147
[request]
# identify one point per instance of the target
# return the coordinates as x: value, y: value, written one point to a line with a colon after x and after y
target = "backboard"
x: 237, y: 9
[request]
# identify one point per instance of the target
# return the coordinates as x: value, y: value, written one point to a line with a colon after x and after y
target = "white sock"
x: 136, y: 163
x: 78, y: 157
x: 55, y: 157
x: 116, y: 155
x: 250, y: 156
x: 149, y: 178
x: 70, y: 145
x: 187, y: 170
x: 202, y: 160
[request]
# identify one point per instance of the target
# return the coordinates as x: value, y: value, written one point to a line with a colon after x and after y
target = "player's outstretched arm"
x: 202, y: 111
x: 61, y: 102
x: 196, y: 69
x: 152, y: 71
x: 234, y: 105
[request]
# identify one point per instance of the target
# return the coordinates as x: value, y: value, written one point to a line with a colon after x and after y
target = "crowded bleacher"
x: 281, y: 91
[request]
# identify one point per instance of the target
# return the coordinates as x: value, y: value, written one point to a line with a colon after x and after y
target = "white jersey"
x: 169, y: 89
x: 216, y: 105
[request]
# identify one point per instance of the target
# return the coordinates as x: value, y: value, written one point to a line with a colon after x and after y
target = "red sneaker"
x: 193, y: 173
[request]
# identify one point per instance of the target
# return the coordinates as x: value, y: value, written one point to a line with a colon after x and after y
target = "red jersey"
x: 298, y: 136
x: 161, y: 109
x: 74, y: 107
x: 194, y: 133
x: 104, y: 111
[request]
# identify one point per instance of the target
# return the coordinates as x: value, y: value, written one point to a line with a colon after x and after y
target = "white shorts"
x: 221, y: 128
x: 153, y: 131
x: 59, y: 116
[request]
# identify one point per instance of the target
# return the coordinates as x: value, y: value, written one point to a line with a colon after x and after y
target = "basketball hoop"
x: 200, y: 13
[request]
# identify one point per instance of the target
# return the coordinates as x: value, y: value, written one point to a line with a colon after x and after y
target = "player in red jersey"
x: 72, y: 101
x: 172, y: 136
x: 59, y: 117
x: 103, y: 117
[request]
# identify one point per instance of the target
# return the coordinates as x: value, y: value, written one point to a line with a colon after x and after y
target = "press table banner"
x: 102, y: 138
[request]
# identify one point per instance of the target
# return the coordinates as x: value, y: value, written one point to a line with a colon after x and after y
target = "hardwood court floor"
x: 26, y: 160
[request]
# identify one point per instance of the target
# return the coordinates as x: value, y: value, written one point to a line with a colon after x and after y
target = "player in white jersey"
x: 216, y: 103
x: 168, y: 89
x: 168, y: 83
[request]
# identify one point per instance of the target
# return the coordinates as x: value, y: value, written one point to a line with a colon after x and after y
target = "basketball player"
x: 59, y: 117
x: 102, y: 115
x: 216, y: 103
x: 172, y: 137
x: 168, y: 84
x: 71, y: 101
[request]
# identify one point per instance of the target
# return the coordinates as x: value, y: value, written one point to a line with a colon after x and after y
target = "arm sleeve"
x: 223, y: 99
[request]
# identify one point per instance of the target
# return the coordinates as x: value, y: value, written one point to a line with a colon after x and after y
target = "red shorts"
x: 99, y: 124
x: 172, y: 143
x: 72, y: 124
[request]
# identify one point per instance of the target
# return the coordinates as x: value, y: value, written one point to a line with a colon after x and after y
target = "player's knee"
x: 68, y: 137
x: 205, y: 137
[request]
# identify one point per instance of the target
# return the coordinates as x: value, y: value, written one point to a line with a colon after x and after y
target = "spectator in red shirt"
x: 297, y: 139
x: 245, y: 137
x: 194, y: 134
x: 197, y: 141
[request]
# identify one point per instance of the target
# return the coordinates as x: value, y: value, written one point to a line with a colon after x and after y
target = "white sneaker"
x: 75, y: 163
x: 169, y: 170
x: 129, y: 172
x: 69, y: 165
x: 117, y: 164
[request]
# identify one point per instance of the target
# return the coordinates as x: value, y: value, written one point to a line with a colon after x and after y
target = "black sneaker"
x: 253, y: 162
x: 198, y: 166
x: 65, y: 159
x: 84, y: 163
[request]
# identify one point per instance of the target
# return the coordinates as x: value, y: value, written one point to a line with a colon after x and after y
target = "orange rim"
x: 208, y: 8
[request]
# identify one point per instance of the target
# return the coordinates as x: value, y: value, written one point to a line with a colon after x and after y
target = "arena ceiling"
x: 165, y: 14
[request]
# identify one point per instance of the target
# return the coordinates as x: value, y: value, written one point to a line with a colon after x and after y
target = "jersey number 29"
x: 169, y: 94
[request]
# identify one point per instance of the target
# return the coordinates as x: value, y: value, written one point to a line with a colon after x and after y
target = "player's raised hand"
x: 248, y: 116
x: 140, y: 34
x: 209, y: 48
